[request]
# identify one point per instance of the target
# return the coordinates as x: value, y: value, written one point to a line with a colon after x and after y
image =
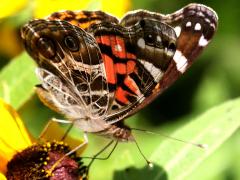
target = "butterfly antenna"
x: 202, y: 146
x: 148, y: 162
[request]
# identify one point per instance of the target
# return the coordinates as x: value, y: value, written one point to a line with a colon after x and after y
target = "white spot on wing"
x: 154, y: 71
x: 207, y: 20
x: 181, y: 61
x: 189, y: 24
x: 200, y: 14
x: 197, y: 27
x: 177, y: 30
x: 202, y: 41
x: 141, y: 43
x: 118, y: 47
x: 159, y: 39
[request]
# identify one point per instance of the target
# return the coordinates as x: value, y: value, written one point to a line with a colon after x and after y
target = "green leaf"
x: 176, y: 160
x: 224, y: 163
x: 212, y: 128
x: 17, y: 80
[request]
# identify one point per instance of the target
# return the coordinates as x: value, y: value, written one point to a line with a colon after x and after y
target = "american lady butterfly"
x: 98, y: 70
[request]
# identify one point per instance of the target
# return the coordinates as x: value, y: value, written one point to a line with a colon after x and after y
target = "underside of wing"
x: 135, y: 60
x: 60, y: 98
x: 94, y: 67
x: 195, y: 25
x: 54, y: 94
x: 71, y: 57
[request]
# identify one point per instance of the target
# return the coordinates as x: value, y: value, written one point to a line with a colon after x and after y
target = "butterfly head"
x: 52, y: 42
x: 156, y: 42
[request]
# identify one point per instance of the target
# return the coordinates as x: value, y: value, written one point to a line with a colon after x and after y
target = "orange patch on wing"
x: 80, y: 15
x: 103, y: 40
x: 118, y: 47
x: 74, y: 22
x: 130, y: 83
x: 109, y: 68
x: 121, y: 95
x: 157, y: 88
x: 98, y: 39
x: 130, y: 66
x: 66, y: 15
x: 94, y: 15
x: 60, y: 15
x: 121, y: 68
x: 84, y: 25
x: 131, y: 56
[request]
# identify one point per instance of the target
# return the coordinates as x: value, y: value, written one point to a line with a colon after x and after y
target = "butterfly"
x: 98, y: 70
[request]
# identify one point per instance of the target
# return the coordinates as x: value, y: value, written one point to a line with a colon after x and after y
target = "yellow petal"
x: 2, y: 177
x: 117, y: 8
x: 45, y: 7
x: 9, y: 44
x: 13, y: 135
x: 8, y: 8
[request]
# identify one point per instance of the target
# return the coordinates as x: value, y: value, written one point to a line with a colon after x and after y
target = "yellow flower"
x: 45, y: 7
x: 14, y: 139
x: 9, y: 8
x: 13, y: 135
x: 117, y: 8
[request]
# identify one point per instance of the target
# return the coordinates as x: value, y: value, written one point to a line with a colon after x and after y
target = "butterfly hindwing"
x: 60, y: 98
x: 194, y: 25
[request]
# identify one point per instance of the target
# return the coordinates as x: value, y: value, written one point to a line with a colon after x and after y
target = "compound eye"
x: 71, y: 43
x: 46, y: 47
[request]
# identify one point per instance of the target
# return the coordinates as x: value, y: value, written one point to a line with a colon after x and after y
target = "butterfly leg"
x: 63, y: 121
x: 66, y: 122
x: 50, y: 122
x: 101, y: 151
x: 85, y: 142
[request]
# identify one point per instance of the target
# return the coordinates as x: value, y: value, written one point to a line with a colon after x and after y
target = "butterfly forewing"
x: 71, y: 68
x: 83, y: 19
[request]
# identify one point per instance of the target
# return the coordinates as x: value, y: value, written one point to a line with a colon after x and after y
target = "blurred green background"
x: 212, y: 80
